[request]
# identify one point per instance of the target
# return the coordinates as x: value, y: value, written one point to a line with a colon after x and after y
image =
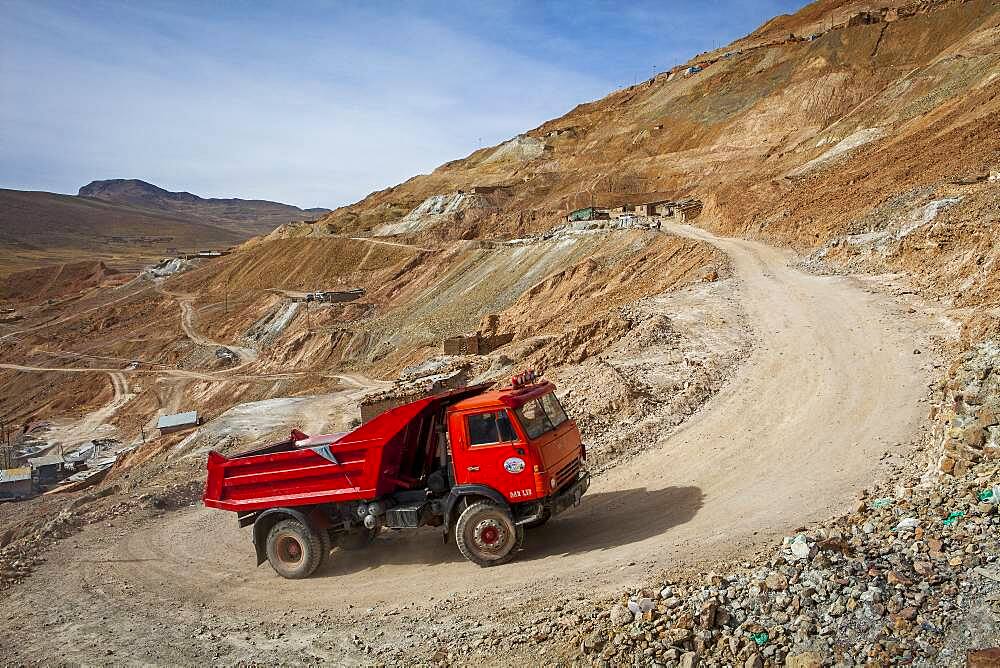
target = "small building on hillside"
x: 587, y: 213
x: 475, y: 344
x: 489, y: 189
x: 621, y: 210
x: 331, y: 296
x: 47, y: 471
x: 168, y: 424
x: 863, y: 19
x: 687, y: 209
x: 15, y: 483
x: 651, y: 208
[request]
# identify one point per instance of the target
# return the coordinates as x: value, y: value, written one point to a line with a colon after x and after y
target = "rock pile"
x: 882, y: 585
x: 900, y: 579
x: 20, y: 556
x: 970, y: 430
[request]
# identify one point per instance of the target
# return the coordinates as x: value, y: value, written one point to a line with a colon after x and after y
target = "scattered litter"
x: 760, y: 638
x: 882, y: 503
x: 953, y: 518
x: 991, y: 495
x: 908, y: 523
x: 799, y: 546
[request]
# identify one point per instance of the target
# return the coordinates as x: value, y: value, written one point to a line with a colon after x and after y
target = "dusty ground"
x: 835, y: 146
x: 831, y: 384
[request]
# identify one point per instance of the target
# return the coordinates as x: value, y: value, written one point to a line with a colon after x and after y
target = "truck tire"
x: 486, y: 535
x: 326, y: 546
x: 356, y: 540
x: 293, y: 549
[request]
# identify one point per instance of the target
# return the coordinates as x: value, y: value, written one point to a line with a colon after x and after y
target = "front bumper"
x: 551, y: 506
x: 570, y: 496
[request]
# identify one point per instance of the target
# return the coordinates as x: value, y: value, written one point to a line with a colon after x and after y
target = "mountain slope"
x: 239, y: 215
x: 46, y: 228
x: 760, y: 109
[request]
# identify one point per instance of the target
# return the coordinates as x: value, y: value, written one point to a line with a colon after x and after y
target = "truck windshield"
x: 540, y: 415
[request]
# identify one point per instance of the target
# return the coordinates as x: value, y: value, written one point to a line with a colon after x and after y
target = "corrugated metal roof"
x: 82, y: 454
x: 178, y: 420
x: 15, y: 475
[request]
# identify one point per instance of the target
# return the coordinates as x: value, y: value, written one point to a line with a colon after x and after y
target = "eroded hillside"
x: 790, y: 402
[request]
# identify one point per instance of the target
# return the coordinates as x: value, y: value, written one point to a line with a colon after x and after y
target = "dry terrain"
x: 792, y: 392
x: 242, y: 216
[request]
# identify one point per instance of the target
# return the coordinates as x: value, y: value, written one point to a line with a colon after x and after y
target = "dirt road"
x: 72, y: 433
x: 188, y: 317
x: 832, y: 383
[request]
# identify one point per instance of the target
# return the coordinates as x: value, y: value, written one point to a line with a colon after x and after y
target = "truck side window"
x: 487, y: 428
x: 507, y: 432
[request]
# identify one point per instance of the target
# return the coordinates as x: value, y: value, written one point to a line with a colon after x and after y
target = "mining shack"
x: 47, y: 471
x: 168, y: 424
x: 588, y: 213
x: 15, y: 483
x: 475, y: 344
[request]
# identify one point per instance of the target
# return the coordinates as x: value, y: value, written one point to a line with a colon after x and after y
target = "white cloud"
x: 320, y: 114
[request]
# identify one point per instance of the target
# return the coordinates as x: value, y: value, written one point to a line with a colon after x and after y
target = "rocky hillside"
x: 243, y: 216
x: 807, y: 130
x: 795, y: 444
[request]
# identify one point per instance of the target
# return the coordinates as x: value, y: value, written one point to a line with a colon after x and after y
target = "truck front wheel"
x: 486, y: 534
x: 294, y: 550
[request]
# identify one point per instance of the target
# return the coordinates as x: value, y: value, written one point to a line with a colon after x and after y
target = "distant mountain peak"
x: 256, y: 216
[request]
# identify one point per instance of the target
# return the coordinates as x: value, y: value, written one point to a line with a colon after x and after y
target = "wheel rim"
x: 490, y: 538
x: 289, y: 550
x: 490, y: 535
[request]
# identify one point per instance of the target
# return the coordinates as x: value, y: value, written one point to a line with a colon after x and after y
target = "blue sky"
x: 314, y: 103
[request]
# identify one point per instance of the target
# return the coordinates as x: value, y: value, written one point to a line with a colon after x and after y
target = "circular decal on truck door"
x: 514, y: 465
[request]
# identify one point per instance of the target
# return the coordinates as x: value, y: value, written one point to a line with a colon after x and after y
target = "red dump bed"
x: 377, y: 458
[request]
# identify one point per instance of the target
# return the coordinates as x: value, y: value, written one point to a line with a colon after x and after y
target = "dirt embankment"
x: 54, y: 282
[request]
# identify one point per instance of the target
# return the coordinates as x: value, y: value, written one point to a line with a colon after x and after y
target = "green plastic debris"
x: 760, y: 638
x: 987, y: 495
x: 881, y: 503
x: 953, y: 517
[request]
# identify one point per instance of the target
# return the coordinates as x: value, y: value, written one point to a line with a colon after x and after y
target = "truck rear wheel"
x: 486, y: 534
x: 293, y: 549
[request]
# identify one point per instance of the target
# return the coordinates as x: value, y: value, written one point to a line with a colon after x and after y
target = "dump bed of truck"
x: 377, y: 458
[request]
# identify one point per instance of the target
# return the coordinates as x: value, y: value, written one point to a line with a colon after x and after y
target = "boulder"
x: 621, y: 616
x: 804, y: 660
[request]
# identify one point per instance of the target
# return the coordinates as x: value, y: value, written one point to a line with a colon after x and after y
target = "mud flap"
x: 266, y: 520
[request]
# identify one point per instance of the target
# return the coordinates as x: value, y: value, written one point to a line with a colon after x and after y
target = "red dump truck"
x: 482, y: 465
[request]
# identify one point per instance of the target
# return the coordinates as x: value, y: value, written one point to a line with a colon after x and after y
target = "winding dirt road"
x: 188, y: 317
x: 831, y: 384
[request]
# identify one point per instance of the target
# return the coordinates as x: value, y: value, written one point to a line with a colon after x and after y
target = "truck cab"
x: 518, y: 441
x: 482, y: 464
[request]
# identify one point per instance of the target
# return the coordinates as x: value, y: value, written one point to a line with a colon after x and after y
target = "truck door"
x: 492, y: 454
